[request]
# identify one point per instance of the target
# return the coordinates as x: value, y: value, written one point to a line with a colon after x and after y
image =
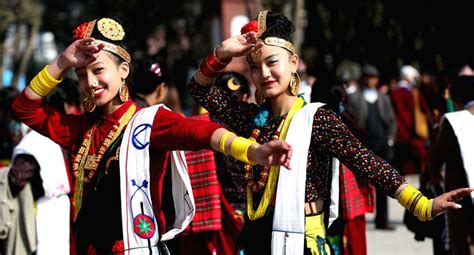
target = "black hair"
x: 462, y: 89
x: 65, y: 92
x: 278, y: 25
x: 147, y: 77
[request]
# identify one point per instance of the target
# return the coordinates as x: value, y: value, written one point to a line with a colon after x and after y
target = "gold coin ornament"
x: 110, y: 29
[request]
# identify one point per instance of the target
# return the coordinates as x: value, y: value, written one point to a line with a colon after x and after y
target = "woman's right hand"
x: 78, y: 54
x: 239, y: 45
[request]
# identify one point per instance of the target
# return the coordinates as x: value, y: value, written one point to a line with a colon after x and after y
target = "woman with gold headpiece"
x: 120, y: 151
x: 287, y: 211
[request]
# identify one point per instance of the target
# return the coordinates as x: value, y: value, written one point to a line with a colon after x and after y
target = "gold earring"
x: 295, y: 84
x: 123, y: 92
x: 259, y: 97
x: 88, y: 103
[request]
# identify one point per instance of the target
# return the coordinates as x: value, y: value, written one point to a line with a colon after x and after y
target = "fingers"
x: 458, y: 194
x: 452, y: 205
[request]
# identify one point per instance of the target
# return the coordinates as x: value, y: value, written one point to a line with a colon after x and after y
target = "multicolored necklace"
x: 260, y: 184
x: 270, y: 184
x: 84, y: 168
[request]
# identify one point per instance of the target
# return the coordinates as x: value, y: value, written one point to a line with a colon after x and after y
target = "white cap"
x: 410, y: 74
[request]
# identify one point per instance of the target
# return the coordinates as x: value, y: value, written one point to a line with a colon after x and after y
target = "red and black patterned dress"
x: 330, y: 138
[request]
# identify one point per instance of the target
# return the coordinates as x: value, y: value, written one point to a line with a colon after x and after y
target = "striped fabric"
x: 357, y: 197
x: 206, y: 188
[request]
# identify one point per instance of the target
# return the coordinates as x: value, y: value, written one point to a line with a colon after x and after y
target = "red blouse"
x: 170, y: 131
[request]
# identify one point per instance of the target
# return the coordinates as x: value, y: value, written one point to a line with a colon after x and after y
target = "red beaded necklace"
x: 262, y: 181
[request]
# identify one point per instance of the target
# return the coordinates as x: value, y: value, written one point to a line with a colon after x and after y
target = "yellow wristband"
x: 418, y: 204
x: 239, y: 148
x: 43, y: 83
x: 223, y: 140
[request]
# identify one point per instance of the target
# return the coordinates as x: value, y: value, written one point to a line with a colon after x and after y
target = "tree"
x: 26, y: 17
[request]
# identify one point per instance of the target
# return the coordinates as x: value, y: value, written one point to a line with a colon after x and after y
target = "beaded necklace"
x: 260, y: 184
x: 91, y: 162
x: 270, y: 184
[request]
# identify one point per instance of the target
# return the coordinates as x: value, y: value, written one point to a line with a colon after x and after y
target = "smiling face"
x: 102, y: 80
x: 272, y: 73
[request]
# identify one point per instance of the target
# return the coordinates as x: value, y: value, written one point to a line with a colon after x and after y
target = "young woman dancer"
x: 285, y: 208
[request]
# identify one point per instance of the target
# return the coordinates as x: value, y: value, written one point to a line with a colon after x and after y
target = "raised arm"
x: 234, y: 113
x: 30, y: 109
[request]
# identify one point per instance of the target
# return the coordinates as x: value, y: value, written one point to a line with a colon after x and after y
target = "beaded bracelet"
x: 43, y: 82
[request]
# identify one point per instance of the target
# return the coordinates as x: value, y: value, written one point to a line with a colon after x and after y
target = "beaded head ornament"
x: 260, y: 27
x: 107, y: 32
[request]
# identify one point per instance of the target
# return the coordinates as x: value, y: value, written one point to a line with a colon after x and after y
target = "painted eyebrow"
x: 270, y: 57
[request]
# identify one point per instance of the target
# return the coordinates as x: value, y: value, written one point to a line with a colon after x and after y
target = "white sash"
x: 139, y: 222
x: 463, y: 127
x: 289, y: 216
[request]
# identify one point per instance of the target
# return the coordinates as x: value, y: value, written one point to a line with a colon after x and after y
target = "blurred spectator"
x: 373, y: 112
x: 38, y: 178
x: 307, y: 81
x: 434, y: 98
x: 348, y: 234
x: 348, y: 73
x: 151, y: 84
x: 455, y: 146
x: 466, y: 70
x: 412, y: 115
x: 10, y: 129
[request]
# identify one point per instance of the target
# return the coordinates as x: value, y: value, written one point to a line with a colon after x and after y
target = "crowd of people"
x: 270, y: 162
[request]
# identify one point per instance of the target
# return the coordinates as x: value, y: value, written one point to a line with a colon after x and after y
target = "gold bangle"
x: 239, y: 149
x: 223, y: 140
x: 43, y: 82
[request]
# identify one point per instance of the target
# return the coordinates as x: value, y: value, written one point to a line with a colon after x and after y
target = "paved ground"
x: 396, y: 242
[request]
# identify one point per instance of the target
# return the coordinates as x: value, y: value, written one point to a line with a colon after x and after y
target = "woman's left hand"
x: 448, y: 200
x: 272, y: 153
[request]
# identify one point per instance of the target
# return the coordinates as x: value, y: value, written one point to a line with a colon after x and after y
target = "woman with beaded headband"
x: 121, y: 150
x: 285, y: 209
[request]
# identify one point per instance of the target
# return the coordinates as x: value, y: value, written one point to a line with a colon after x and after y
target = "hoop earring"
x: 88, y: 103
x: 123, y: 93
x: 259, y: 97
x: 295, y: 84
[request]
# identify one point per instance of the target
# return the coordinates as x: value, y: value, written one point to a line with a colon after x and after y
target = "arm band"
x: 239, y: 149
x: 43, y: 83
x: 413, y: 200
x: 223, y: 140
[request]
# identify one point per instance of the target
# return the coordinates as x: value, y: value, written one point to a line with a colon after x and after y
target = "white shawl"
x: 289, y: 216
x: 139, y: 223
x: 463, y: 127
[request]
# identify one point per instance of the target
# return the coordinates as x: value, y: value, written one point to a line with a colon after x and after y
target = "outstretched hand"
x: 239, y: 45
x: 448, y: 200
x: 272, y: 153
